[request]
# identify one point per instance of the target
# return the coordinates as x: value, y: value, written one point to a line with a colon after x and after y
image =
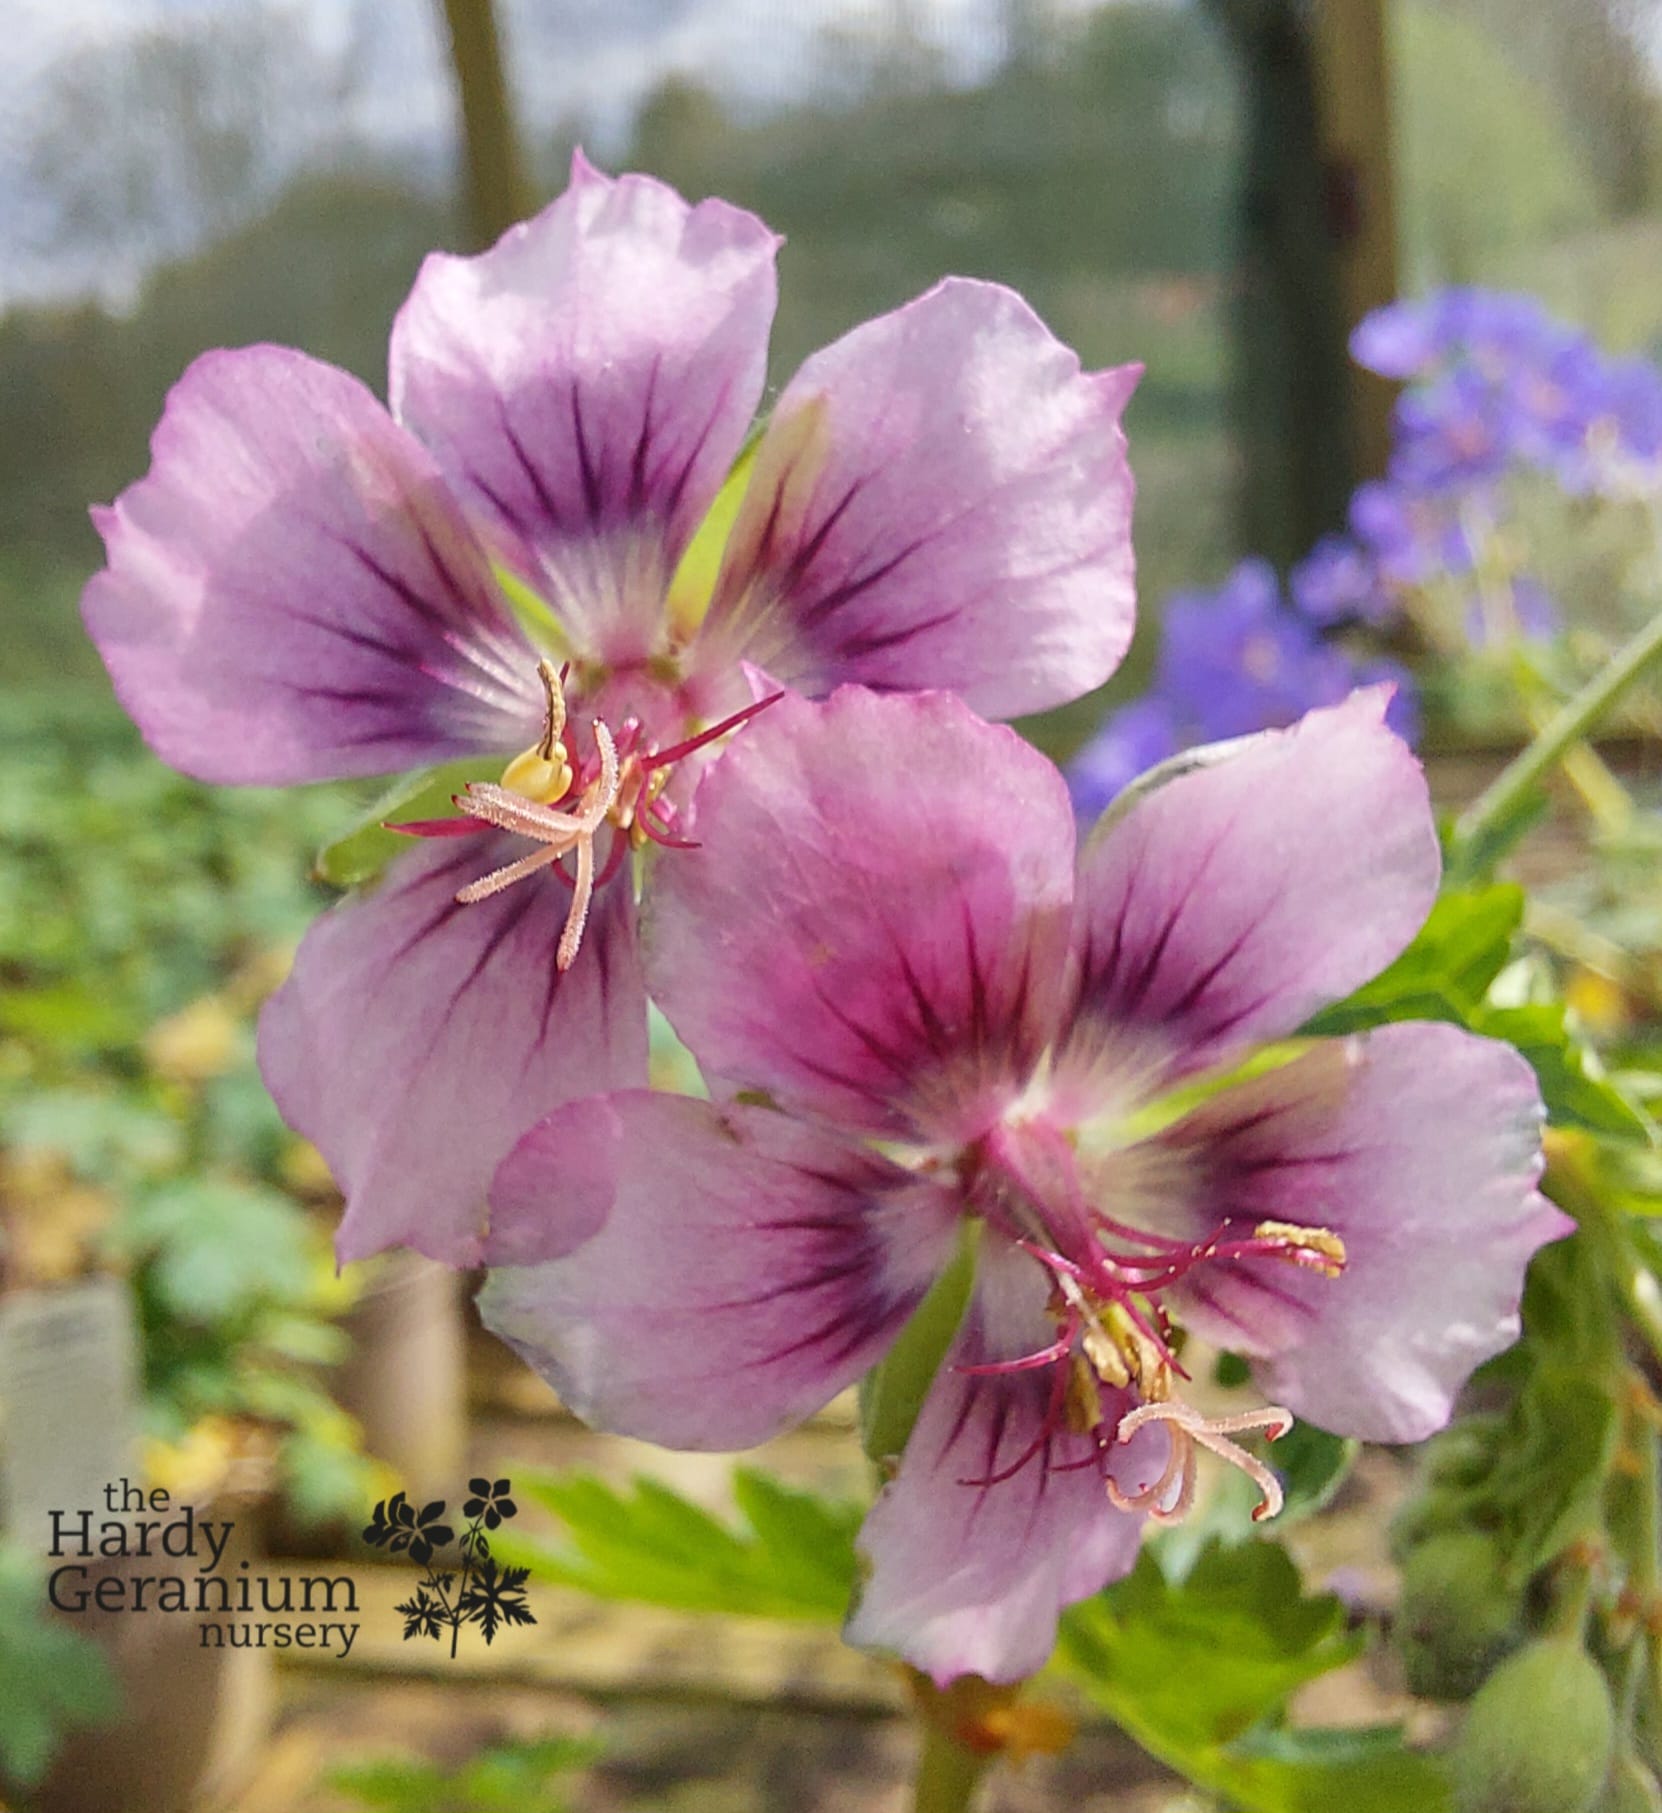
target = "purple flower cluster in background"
x: 1233, y: 660
x: 1497, y: 388
x: 1498, y: 382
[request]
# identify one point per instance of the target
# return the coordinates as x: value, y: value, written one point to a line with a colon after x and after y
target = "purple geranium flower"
x: 1235, y: 660
x: 922, y: 1022
x: 1232, y: 661
x: 308, y: 586
x: 1337, y: 583
x: 1137, y: 737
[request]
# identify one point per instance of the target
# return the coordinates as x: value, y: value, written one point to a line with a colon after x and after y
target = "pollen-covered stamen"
x: 1313, y: 1249
x: 557, y: 832
x: 1316, y: 1249
x: 1113, y: 1329
x: 1190, y: 1430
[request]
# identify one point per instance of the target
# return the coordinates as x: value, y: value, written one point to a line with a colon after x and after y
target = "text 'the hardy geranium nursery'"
x: 925, y: 1021
x: 505, y: 565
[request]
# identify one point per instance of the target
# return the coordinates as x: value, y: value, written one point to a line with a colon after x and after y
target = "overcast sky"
x: 593, y: 59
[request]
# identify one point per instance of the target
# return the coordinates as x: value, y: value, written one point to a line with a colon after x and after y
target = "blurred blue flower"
x: 1133, y: 739
x: 1236, y: 659
x: 1495, y: 385
x: 1337, y: 582
x: 1232, y: 661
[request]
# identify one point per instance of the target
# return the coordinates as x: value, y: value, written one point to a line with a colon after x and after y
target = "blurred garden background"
x: 1218, y: 190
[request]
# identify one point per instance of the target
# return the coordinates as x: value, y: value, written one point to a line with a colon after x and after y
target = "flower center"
x: 1114, y: 1330
x: 562, y: 802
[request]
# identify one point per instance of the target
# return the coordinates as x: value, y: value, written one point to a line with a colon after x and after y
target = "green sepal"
x: 359, y: 854
x: 892, y: 1393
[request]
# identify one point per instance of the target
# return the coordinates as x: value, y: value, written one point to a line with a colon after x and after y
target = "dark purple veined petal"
x: 873, y: 925
x: 1420, y: 1147
x: 942, y: 499
x: 970, y: 1578
x: 1228, y: 904
x: 291, y: 593
x: 417, y: 1038
x: 728, y: 1270
x: 588, y: 382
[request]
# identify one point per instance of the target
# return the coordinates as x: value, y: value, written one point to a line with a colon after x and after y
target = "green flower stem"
x: 963, y: 1728
x: 1507, y: 793
x: 948, y: 1774
x: 1645, y: 1565
x: 1606, y: 799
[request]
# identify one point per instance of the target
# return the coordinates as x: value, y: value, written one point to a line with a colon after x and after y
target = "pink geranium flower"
x: 307, y: 586
x: 920, y: 1014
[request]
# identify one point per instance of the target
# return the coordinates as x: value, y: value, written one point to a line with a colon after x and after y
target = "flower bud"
x: 1457, y: 1617
x: 1537, y: 1736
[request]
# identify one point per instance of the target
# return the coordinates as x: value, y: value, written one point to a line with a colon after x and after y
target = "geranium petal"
x: 589, y: 381
x: 942, y: 499
x: 1228, y: 904
x: 968, y: 1578
x: 417, y: 1039
x: 293, y: 595
x: 873, y: 925
x: 1420, y: 1146
x: 746, y: 1268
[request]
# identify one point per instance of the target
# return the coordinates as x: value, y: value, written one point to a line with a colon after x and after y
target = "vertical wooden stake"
x: 496, y: 191
x: 1351, y: 53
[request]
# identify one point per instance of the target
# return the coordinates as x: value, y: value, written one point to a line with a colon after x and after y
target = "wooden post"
x: 1292, y: 396
x: 1353, y: 81
x: 495, y: 187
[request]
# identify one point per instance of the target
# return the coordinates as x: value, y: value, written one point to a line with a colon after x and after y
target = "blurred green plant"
x: 524, y: 1776
x: 53, y: 1680
x: 142, y: 920
x: 1196, y: 1653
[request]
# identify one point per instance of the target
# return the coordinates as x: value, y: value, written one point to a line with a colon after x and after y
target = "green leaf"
x: 360, y: 852
x: 791, y: 1557
x: 1204, y: 1660
x: 1313, y: 1466
x: 1363, y: 1770
x: 892, y: 1393
x: 1573, y: 1085
x: 1199, y: 1673
x: 1445, y: 973
x: 1564, y: 1441
x: 52, y: 1678
x: 214, y: 1249
x: 514, y: 1777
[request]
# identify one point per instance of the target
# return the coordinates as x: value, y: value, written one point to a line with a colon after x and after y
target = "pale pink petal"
x: 873, y: 924
x: 1420, y: 1147
x: 417, y: 1038
x: 942, y: 499
x: 1227, y: 905
x: 727, y: 1269
x: 293, y: 595
x: 969, y: 1578
x: 588, y: 382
